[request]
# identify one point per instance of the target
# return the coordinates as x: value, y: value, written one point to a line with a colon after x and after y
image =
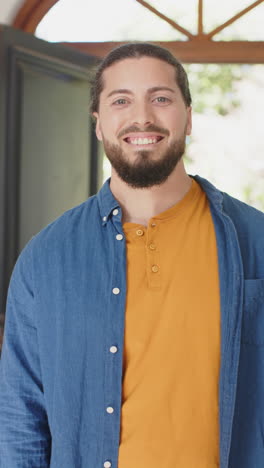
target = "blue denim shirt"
x: 65, y: 313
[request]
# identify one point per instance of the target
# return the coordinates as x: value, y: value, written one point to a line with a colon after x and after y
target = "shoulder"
x: 58, y: 236
x: 248, y: 223
x: 244, y: 216
x: 68, y: 225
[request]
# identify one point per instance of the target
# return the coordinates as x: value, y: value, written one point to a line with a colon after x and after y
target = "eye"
x: 120, y: 102
x: 162, y: 99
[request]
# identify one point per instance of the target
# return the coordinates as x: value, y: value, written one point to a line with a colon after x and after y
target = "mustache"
x: 151, y: 128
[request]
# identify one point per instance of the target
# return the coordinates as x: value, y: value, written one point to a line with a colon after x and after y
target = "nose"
x: 142, y: 114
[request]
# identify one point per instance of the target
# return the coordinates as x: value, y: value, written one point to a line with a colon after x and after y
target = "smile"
x: 143, y: 141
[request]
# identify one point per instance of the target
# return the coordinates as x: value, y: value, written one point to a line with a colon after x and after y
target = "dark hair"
x: 136, y: 50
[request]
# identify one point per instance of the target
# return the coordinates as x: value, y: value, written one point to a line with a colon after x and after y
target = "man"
x: 134, y: 328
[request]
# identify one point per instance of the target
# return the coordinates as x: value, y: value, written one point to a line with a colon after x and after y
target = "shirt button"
x: 155, y: 268
x: 107, y: 464
x: 110, y: 410
x: 115, y: 212
x: 152, y: 246
x: 119, y: 237
x: 104, y: 218
x: 113, y: 349
x: 153, y: 224
x: 116, y: 291
x: 139, y: 232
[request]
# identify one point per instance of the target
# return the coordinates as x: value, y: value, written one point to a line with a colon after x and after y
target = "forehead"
x: 142, y: 72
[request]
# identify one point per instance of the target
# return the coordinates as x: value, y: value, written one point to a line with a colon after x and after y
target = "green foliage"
x: 213, y: 87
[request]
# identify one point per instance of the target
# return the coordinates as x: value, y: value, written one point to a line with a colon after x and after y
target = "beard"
x: 145, y: 172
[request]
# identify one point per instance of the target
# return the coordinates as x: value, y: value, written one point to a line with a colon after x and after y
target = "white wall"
x: 8, y: 10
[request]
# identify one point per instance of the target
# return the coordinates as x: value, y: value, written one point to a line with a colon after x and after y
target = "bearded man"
x: 134, y: 332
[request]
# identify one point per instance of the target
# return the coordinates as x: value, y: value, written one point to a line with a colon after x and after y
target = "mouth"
x: 143, y: 140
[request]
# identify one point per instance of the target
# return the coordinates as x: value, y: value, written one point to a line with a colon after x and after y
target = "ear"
x: 97, y: 126
x: 189, y: 121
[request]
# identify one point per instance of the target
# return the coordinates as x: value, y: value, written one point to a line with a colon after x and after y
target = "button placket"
x: 114, y: 363
x: 153, y: 256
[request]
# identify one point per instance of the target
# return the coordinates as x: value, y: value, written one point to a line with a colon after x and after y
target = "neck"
x: 139, y: 205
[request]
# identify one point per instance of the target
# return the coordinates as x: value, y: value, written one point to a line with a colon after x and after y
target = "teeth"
x: 143, y: 141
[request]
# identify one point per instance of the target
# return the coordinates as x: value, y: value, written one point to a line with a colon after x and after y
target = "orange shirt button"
x: 139, y: 232
x: 153, y: 224
x: 152, y: 246
x: 155, y: 268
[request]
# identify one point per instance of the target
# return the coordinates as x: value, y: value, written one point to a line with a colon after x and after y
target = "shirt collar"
x: 107, y: 203
x: 214, y: 195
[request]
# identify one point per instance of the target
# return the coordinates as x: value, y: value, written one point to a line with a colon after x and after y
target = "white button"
x: 113, y: 349
x: 116, y: 291
x: 110, y: 410
x: 104, y: 218
x: 119, y: 237
x: 107, y: 464
x: 115, y: 212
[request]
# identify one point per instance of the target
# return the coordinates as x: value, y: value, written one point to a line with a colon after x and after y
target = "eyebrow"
x: 160, y: 88
x: 149, y: 91
x: 119, y: 91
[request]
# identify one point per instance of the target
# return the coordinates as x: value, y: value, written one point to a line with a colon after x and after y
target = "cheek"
x: 111, y: 124
x: 177, y: 122
x: 167, y: 117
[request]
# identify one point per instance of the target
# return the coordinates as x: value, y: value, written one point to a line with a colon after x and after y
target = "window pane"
x: 121, y: 20
x: 248, y: 27
x: 184, y: 13
x: 227, y: 143
x: 103, y: 20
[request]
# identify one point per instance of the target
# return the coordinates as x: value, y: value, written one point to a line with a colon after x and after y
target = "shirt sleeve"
x: 25, y: 439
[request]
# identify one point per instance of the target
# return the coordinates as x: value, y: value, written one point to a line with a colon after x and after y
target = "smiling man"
x: 134, y: 325
x: 143, y: 125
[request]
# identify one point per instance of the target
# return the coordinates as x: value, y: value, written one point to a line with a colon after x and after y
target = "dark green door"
x: 48, y: 160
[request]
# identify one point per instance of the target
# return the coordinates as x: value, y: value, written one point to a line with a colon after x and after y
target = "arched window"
x: 195, y: 30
